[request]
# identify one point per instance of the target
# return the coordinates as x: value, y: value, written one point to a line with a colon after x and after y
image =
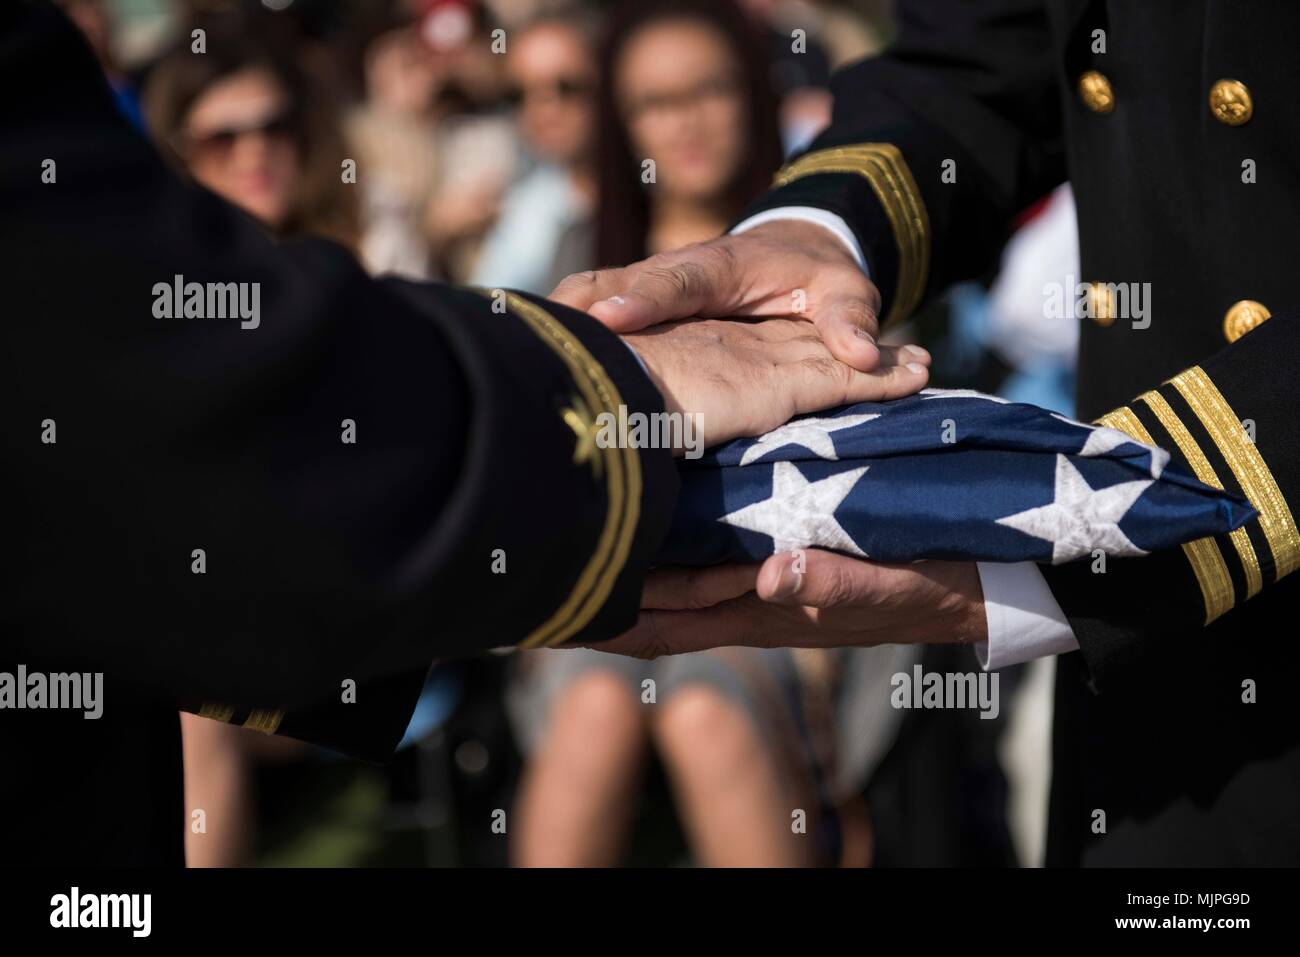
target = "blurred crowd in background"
x: 508, y: 143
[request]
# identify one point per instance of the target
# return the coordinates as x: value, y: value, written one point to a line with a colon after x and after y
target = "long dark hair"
x: 623, y: 209
x: 322, y: 204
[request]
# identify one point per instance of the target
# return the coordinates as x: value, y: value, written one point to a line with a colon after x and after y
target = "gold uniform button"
x: 1230, y: 102
x: 1242, y: 317
x: 1096, y: 93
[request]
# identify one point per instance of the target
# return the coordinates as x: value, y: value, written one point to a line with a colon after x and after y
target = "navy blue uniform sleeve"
x: 249, y: 513
x: 936, y: 145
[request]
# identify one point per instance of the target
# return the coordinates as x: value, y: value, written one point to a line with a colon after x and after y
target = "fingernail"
x: 917, y: 368
x: 917, y: 353
x: 788, y: 581
x: 613, y: 301
x: 863, y: 334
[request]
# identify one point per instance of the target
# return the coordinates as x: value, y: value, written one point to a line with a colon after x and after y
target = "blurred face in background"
x: 553, y: 75
x: 240, y: 141
x: 679, y: 91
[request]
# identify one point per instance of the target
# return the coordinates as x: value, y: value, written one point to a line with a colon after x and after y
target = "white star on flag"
x: 962, y: 394
x: 1081, y: 519
x: 813, y: 434
x: 800, y: 513
x: 1103, y: 439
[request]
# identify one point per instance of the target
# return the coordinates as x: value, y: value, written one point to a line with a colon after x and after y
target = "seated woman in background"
x: 740, y: 731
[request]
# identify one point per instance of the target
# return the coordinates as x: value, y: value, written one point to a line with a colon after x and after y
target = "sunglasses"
x: 565, y: 88
x: 708, y: 92
x: 218, y: 143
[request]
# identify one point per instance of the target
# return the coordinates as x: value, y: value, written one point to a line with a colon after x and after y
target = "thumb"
x: 582, y: 289
x: 848, y: 326
x: 626, y: 312
x: 663, y: 289
x: 813, y: 577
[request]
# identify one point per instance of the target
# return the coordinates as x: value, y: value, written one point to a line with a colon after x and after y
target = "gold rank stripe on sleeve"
x: 1205, y: 472
x: 259, y: 719
x: 1203, y: 555
x: 883, y: 166
x: 217, y: 712
x: 622, y: 476
x: 1248, y: 466
x: 268, y: 722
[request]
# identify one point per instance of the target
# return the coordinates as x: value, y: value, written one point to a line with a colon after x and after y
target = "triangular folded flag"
x: 945, y: 474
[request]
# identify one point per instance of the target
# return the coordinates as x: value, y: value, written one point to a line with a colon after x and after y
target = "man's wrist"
x: 970, y: 620
x: 644, y: 349
x: 823, y: 219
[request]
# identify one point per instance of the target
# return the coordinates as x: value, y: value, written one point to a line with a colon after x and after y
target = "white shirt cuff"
x: 1024, y: 620
x: 810, y: 214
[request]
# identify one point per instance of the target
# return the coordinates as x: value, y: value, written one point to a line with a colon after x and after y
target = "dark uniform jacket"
x: 1175, y: 735
x: 183, y: 514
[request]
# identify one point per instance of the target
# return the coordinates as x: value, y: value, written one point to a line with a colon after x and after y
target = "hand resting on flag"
x: 785, y: 268
x: 747, y: 378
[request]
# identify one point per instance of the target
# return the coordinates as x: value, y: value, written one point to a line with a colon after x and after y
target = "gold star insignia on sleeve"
x: 577, y: 416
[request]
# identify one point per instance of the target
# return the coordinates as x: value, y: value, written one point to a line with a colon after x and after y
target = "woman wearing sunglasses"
x: 544, y: 231
x: 249, y: 123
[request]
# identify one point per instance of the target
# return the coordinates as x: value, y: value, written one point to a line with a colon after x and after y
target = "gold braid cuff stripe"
x: 622, y: 481
x: 217, y: 712
x: 883, y: 166
x: 1203, y: 555
x: 1205, y: 472
x: 1275, y: 518
x: 268, y: 722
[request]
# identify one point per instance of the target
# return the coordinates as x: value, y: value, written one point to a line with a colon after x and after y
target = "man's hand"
x: 805, y: 599
x: 747, y: 378
x: 782, y: 268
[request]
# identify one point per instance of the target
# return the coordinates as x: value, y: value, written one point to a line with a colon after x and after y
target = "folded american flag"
x: 948, y: 474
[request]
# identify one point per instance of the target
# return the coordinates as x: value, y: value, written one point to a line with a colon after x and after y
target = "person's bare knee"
x: 734, y: 789
x: 595, y: 699
x: 576, y: 794
x: 595, y: 717
x: 699, y: 728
